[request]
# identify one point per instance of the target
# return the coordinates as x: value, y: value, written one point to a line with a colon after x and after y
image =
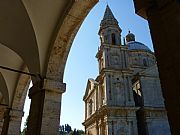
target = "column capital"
x: 54, y: 85
x: 16, y: 113
x: 47, y: 85
x: 36, y: 88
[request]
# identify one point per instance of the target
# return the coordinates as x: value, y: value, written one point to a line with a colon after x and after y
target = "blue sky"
x: 82, y: 64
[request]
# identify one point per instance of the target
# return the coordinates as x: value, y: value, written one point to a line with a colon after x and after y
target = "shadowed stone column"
x: 15, y: 122
x: 36, y: 94
x: 52, y: 107
x: 164, y: 21
x: 6, y: 121
x: 45, y: 107
x: 2, y: 111
x: 1, y: 124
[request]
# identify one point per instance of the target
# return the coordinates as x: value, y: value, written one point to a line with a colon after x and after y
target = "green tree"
x: 67, y: 130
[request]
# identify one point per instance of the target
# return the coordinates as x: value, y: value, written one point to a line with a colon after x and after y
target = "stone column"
x: 36, y: 94
x: 15, y: 122
x: 52, y: 107
x: 1, y: 124
x: 45, y: 107
x: 6, y: 121
x: 164, y: 21
x: 2, y: 111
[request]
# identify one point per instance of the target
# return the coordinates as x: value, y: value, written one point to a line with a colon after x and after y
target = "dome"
x: 134, y: 45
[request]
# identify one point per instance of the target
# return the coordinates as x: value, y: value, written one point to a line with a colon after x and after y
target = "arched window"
x: 90, y: 106
x: 145, y: 62
x: 113, y: 36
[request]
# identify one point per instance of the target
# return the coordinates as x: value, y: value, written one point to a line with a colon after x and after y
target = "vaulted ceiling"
x: 29, y: 30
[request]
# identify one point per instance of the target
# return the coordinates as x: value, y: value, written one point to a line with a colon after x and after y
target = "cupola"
x: 130, y: 37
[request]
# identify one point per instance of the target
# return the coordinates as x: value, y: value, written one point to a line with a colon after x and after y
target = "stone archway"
x: 43, y: 46
x: 52, y: 85
x: 21, y: 31
x: 16, y: 111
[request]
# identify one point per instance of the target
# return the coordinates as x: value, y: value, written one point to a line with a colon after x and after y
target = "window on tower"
x: 113, y: 36
x: 145, y: 63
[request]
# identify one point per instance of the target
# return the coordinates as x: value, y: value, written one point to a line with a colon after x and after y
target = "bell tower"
x: 110, y: 32
x: 120, y: 101
x: 114, y: 79
x: 113, y: 63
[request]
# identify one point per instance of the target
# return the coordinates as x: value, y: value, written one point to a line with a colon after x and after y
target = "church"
x: 126, y: 97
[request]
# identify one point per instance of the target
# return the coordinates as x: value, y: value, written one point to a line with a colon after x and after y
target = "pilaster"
x: 36, y: 94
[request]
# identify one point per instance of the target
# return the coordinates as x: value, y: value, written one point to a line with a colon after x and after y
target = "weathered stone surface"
x: 15, y: 122
x: 54, y: 85
x: 126, y: 95
x: 2, y: 112
x: 65, y: 36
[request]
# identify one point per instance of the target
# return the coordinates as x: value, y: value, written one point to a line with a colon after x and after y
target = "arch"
x: 65, y: 36
x: 18, y: 101
x: 21, y: 91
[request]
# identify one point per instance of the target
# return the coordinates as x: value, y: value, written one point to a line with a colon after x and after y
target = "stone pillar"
x: 2, y: 111
x: 45, y: 107
x: 1, y: 124
x: 15, y: 122
x: 164, y: 21
x: 36, y: 94
x: 52, y: 107
x: 6, y: 121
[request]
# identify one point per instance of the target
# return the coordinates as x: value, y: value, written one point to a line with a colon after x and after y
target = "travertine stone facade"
x: 125, y: 98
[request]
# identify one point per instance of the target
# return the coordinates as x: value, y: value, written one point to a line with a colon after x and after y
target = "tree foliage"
x: 67, y: 130
x: 63, y: 130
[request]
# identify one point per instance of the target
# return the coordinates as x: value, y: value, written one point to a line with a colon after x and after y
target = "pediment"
x: 91, y: 83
